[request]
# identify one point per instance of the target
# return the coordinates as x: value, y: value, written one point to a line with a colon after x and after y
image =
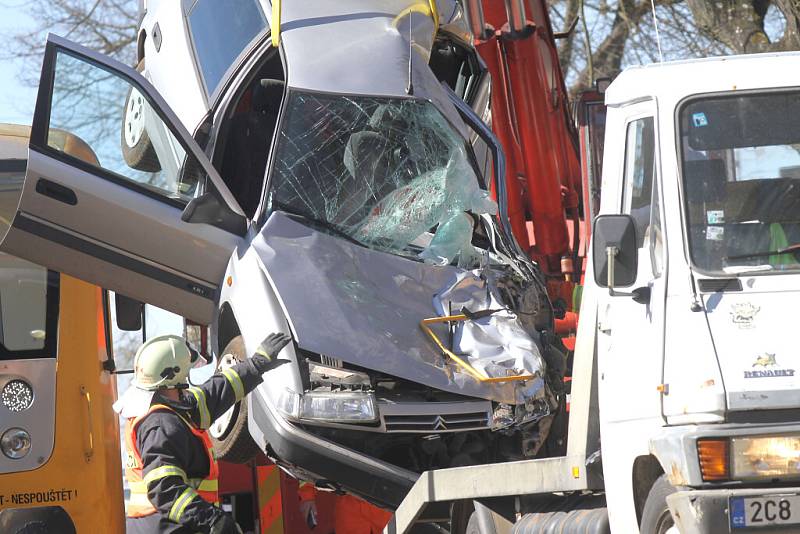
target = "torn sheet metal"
x: 364, y: 306
x: 495, y: 344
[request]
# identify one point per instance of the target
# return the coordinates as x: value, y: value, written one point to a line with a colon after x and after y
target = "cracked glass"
x: 389, y: 173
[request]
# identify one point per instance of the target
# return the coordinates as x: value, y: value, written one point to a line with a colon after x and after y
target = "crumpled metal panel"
x: 496, y: 345
x: 364, y: 306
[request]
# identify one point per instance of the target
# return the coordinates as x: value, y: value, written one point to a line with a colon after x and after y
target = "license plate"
x: 754, y: 512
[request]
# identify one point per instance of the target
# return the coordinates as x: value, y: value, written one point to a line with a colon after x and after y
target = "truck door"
x: 96, y: 213
x: 630, y: 337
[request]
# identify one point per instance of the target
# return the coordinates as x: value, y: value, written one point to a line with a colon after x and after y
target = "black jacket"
x: 163, y: 439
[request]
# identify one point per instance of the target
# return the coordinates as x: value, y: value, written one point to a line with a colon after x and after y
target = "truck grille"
x: 427, y: 419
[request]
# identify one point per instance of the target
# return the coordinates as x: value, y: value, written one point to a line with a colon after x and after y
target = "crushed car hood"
x: 365, y: 306
x: 756, y: 342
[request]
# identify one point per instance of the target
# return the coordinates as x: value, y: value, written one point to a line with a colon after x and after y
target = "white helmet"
x: 162, y: 362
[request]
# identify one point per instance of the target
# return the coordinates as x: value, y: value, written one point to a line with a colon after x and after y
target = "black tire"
x: 140, y: 155
x: 235, y: 444
x: 656, y: 518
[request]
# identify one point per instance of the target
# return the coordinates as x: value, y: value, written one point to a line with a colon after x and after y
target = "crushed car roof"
x: 351, y: 46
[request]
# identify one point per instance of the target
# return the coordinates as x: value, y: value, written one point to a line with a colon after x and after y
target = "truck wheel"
x: 656, y: 518
x: 229, y: 434
x: 137, y: 149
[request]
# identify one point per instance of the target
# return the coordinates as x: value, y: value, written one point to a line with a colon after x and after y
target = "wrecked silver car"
x: 343, y: 198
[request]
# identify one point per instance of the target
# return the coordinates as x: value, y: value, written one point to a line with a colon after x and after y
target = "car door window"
x: 640, y: 197
x: 117, y: 130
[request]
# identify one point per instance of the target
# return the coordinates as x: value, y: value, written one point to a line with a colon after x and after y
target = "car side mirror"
x: 614, y: 251
x: 209, y: 209
x: 129, y: 313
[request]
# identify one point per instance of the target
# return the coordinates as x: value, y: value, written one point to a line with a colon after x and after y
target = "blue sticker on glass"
x: 699, y: 119
x: 737, y: 513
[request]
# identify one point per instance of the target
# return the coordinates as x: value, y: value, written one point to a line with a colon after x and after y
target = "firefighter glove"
x: 225, y: 525
x: 265, y: 357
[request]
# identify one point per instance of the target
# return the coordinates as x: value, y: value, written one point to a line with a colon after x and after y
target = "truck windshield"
x: 390, y: 173
x: 741, y: 175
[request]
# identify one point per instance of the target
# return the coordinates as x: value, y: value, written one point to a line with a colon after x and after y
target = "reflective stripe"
x: 202, y: 407
x: 181, y: 503
x: 137, y: 486
x: 203, y: 484
x: 235, y: 381
x: 163, y: 472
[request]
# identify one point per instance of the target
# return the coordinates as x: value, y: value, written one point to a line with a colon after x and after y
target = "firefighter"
x: 351, y: 515
x: 170, y: 464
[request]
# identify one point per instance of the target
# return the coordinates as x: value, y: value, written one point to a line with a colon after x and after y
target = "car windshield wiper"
x: 786, y: 250
x: 333, y: 228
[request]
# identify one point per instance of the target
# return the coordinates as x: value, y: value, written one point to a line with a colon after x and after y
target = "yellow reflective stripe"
x: 206, y: 485
x: 202, y: 407
x: 138, y: 487
x: 163, y: 472
x: 235, y: 381
x: 181, y: 503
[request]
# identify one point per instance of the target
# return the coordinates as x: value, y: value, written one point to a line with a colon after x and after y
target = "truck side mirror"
x: 129, y: 313
x: 614, y: 251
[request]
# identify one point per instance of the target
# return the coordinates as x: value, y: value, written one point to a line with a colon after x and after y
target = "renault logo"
x: 439, y: 423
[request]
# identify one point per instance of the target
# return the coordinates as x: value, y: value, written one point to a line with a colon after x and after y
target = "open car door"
x: 117, y: 192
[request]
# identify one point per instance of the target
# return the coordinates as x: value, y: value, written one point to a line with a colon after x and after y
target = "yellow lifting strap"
x: 429, y: 10
x: 275, y: 29
x: 474, y: 373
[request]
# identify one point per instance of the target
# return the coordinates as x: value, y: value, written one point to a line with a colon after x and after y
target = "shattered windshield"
x: 389, y: 173
x: 741, y: 171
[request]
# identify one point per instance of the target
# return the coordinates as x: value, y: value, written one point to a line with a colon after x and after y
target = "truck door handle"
x: 89, y: 448
x: 604, y: 320
x: 56, y: 191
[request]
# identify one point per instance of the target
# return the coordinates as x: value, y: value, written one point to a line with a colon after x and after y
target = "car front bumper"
x: 378, y: 482
x: 708, y: 512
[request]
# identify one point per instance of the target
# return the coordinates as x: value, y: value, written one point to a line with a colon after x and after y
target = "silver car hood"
x: 364, y: 307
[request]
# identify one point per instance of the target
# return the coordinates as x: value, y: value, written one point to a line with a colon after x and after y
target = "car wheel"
x: 229, y: 434
x: 656, y: 518
x: 137, y: 149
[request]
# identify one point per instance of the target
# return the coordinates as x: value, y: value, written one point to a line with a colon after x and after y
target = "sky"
x: 16, y: 101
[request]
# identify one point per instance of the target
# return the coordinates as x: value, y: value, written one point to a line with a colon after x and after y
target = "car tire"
x: 656, y: 518
x: 229, y: 433
x: 137, y: 149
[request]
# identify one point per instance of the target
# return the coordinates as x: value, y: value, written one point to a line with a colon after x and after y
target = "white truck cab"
x: 700, y: 212
x: 684, y: 382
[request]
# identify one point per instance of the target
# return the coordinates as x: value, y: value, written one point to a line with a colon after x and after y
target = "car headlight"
x: 765, y: 457
x: 334, y: 406
x: 15, y: 443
